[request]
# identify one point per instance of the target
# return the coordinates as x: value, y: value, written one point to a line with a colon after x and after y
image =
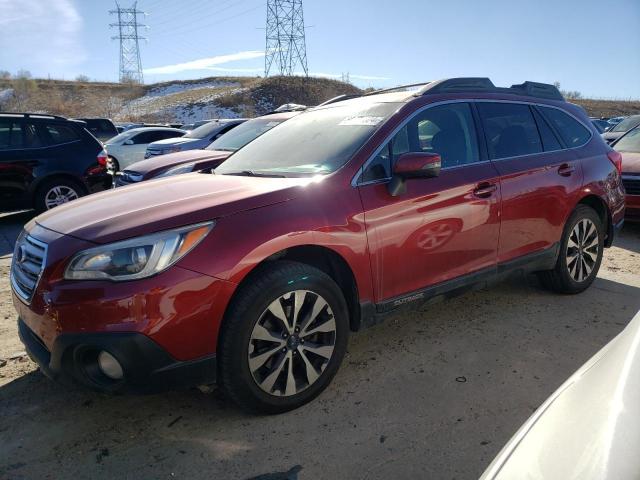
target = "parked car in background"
x: 196, y: 160
x: 621, y: 128
x: 589, y: 428
x: 256, y: 274
x: 629, y: 146
x: 187, y: 126
x: 601, y: 125
x: 101, y: 128
x: 46, y: 161
x: 120, y: 128
x: 615, y: 120
x: 199, y: 137
x: 131, y: 145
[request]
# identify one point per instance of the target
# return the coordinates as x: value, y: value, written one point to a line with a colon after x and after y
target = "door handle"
x: 565, y: 170
x: 485, y: 189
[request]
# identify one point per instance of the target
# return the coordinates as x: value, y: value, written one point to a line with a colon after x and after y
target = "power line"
x: 130, y: 63
x: 285, y: 37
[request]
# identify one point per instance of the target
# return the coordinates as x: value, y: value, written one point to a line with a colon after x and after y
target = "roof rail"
x: 339, y: 98
x: 485, y: 85
x: 398, y: 88
x: 31, y: 114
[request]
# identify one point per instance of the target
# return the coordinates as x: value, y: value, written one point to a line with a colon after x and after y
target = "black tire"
x: 40, y: 203
x: 560, y: 279
x: 265, y: 286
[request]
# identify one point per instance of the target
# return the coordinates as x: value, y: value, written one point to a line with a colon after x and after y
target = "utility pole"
x: 285, y: 38
x: 130, y: 63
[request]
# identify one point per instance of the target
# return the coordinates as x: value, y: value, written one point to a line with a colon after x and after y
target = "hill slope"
x: 187, y: 101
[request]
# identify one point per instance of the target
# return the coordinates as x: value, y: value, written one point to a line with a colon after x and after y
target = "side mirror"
x: 413, y: 165
x: 128, y: 142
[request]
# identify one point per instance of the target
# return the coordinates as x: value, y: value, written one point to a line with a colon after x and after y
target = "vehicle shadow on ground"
x: 629, y: 237
x: 11, y: 225
x: 427, y: 394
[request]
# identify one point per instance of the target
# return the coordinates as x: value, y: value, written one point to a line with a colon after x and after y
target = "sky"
x: 590, y: 46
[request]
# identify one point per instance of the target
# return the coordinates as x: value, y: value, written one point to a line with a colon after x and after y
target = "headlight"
x: 138, y: 257
x: 179, y: 170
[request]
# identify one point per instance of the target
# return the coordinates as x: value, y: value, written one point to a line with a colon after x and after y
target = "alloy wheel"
x: 59, y: 195
x: 582, y: 250
x: 292, y: 343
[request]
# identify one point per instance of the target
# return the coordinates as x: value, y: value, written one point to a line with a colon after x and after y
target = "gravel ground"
x: 431, y: 393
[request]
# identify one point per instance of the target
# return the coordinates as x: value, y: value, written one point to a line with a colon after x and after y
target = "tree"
x: 26, y: 74
x: 82, y: 78
x: 5, y: 75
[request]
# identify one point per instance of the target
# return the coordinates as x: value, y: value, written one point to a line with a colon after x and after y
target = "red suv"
x: 255, y: 274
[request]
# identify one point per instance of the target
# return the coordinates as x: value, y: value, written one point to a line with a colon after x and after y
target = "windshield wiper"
x: 253, y: 173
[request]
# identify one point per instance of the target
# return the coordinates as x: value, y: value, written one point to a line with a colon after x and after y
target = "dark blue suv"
x: 47, y: 160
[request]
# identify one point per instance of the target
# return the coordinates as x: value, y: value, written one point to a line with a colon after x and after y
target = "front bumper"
x: 146, y: 365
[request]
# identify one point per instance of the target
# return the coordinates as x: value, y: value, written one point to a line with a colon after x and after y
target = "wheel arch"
x: 601, y: 208
x: 323, y: 258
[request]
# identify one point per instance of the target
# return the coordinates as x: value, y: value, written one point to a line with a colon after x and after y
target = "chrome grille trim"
x: 29, y: 259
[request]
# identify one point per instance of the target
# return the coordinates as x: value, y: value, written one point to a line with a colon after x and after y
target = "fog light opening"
x: 110, y: 366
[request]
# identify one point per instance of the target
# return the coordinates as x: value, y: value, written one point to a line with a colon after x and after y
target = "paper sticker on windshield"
x: 361, y: 121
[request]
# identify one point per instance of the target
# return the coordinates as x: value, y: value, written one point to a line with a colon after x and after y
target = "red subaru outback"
x: 255, y: 274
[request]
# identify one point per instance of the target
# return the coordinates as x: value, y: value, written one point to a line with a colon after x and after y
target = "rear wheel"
x: 283, y: 338
x: 55, y: 192
x: 580, y: 253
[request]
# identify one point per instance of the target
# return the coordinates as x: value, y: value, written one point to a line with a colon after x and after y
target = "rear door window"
x: 573, y: 133
x: 510, y: 129
x: 17, y: 135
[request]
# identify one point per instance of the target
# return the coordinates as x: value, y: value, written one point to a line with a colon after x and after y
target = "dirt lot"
x: 428, y: 394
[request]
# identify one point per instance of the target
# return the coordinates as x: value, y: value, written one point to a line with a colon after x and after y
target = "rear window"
x: 99, y: 125
x: 510, y: 129
x: 627, y: 124
x: 573, y: 133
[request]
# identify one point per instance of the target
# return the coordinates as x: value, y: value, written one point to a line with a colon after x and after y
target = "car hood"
x: 173, y: 159
x: 630, y: 162
x: 589, y: 428
x: 173, y: 141
x: 165, y: 203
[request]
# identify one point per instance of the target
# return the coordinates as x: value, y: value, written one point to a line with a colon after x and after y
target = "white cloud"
x: 208, y: 63
x: 43, y: 34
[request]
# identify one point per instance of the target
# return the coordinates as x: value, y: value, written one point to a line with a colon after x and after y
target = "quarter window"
x: 448, y: 130
x: 573, y: 133
x: 510, y: 129
x: 59, y: 134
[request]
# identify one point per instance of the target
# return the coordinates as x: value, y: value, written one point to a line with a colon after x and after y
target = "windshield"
x: 243, y: 134
x: 314, y: 142
x: 627, y: 124
x: 204, y: 131
x: 630, y: 142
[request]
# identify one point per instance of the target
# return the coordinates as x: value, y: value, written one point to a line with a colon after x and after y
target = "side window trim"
x: 552, y: 127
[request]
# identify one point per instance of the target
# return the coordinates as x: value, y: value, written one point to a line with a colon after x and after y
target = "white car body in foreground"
x: 589, y: 428
x: 129, y: 146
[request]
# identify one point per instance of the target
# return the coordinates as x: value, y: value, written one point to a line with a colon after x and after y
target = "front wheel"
x: 580, y: 255
x: 283, y: 338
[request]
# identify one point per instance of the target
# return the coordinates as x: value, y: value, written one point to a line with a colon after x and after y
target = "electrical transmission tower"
x: 130, y: 63
x: 285, y: 45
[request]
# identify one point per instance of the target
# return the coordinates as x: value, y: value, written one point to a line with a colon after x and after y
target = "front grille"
x: 631, y: 185
x: 29, y: 257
